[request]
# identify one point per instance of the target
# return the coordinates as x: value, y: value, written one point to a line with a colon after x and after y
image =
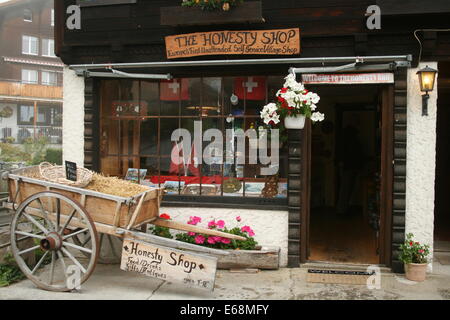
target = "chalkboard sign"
x: 71, y: 171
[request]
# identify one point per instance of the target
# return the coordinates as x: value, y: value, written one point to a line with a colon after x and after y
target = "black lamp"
x: 427, y: 78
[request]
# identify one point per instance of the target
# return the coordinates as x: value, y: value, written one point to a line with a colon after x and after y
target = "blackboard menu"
x: 71, y: 171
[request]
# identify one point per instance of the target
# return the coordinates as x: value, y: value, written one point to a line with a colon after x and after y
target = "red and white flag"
x: 250, y: 88
x: 174, y: 90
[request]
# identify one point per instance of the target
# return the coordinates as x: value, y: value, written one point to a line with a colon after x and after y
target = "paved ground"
x: 109, y: 282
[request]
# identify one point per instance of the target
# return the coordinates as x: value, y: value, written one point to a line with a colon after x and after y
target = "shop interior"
x: 345, y: 176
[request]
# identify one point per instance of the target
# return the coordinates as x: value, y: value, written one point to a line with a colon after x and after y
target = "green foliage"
x: 413, y: 252
x: 36, y: 148
x: 53, y: 156
x: 10, y: 272
x: 212, y: 4
x: 161, y: 231
x: 11, y: 153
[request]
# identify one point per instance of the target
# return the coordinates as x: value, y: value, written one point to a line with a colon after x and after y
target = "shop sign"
x: 352, y: 78
x: 192, y: 270
x: 250, y: 42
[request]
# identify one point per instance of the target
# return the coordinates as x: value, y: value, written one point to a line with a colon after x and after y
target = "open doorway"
x: 345, y: 176
x: 442, y: 182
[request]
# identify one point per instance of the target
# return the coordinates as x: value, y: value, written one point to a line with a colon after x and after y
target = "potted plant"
x: 294, y: 104
x: 415, y: 257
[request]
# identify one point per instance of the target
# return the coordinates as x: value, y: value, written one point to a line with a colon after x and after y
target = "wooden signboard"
x: 192, y: 270
x: 253, y: 42
x: 71, y: 171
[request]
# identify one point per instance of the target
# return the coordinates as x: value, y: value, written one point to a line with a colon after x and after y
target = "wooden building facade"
x: 129, y: 36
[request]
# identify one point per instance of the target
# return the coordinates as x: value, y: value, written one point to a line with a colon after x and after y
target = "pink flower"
x: 238, y: 219
x: 211, y: 240
x: 191, y: 234
x: 226, y: 240
x: 199, y: 239
x: 248, y: 230
x: 220, y: 224
x: 194, y: 220
x: 212, y: 224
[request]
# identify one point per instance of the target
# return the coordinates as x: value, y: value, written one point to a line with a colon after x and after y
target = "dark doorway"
x: 345, y: 176
x: 442, y: 182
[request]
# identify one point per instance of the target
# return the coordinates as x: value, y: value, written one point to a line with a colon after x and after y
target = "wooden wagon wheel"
x: 42, y: 233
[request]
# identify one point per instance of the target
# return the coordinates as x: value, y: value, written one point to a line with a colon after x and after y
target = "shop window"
x: 138, y: 119
x: 30, y: 45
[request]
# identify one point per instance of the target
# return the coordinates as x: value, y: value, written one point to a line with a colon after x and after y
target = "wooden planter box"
x: 247, y: 12
x: 267, y: 258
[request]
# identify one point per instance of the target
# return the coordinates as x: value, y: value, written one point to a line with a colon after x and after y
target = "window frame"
x: 241, y: 201
x: 48, y: 47
x: 28, y: 72
x: 30, y: 38
x: 19, y: 115
x: 49, y: 83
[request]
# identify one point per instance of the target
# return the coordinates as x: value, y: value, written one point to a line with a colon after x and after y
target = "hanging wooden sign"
x: 351, y: 78
x: 250, y: 42
x: 192, y: 270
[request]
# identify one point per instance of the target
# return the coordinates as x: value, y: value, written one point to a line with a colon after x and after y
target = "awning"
x: 360, y: 63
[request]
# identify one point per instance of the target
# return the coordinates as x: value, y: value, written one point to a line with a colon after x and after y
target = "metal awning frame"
x: 359, y: 63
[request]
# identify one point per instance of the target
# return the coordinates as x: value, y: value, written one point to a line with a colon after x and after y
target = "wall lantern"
x: 427, y: 78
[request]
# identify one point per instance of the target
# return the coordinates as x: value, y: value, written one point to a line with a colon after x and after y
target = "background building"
x: 30, y: 73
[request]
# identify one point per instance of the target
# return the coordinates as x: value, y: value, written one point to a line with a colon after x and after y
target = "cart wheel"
x: 42, y: 233
x: 110, y: 247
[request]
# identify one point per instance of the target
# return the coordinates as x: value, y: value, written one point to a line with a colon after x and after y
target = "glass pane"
x: 166, y: 129
x: 212, y: 97
x: 169, y: 178
x: 150, y: 98
x: 171, y: 92
x: 110, y: 166
x: 110, y: 92
x: 149, y: 137
x: 109, y: 137
x: 212, y: 156
x: 191, y: 102
x: 34, y: 46
x: 233, y: 105
x: 129, y: 137
x: 152, y: 173
x: 128, y: 163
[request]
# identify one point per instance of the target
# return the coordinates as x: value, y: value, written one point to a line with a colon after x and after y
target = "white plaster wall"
x: 421, y: 160
x: 271, y: 227
x: 73, y: 117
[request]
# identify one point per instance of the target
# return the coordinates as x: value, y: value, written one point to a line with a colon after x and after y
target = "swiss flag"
x: 250, y: 88
x: 174, y: 90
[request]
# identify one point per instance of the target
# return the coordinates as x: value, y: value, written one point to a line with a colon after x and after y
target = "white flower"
x: 317, y: 116
x: 313, y: 107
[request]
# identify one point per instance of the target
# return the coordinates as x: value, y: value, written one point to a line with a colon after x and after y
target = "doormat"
x: 337, y: 276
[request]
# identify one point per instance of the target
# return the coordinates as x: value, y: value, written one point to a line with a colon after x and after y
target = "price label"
x: 71, y: 171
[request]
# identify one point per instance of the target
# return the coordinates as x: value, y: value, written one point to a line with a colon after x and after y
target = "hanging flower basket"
x: 295, y: 122
x: 294, y: 104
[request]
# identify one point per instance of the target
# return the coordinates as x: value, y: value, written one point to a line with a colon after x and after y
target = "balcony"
x: 30, y: 91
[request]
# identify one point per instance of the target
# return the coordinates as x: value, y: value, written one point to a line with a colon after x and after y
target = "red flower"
x: 165, y: 216
x: 420, y: 251
x: 284, y: 90
x: 271, y: 122
x: 281, y: 99
x: 306, y: 91
x: 410, y: 243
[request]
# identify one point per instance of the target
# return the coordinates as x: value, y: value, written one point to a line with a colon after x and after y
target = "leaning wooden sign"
x: 190, y: 269
x: 253, y: 42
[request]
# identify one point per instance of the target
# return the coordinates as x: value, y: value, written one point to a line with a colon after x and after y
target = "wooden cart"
x: 68, y: 224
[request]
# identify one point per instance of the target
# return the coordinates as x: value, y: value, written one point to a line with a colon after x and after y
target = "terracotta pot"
x: 295, y: 122
x: 416, y: 271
